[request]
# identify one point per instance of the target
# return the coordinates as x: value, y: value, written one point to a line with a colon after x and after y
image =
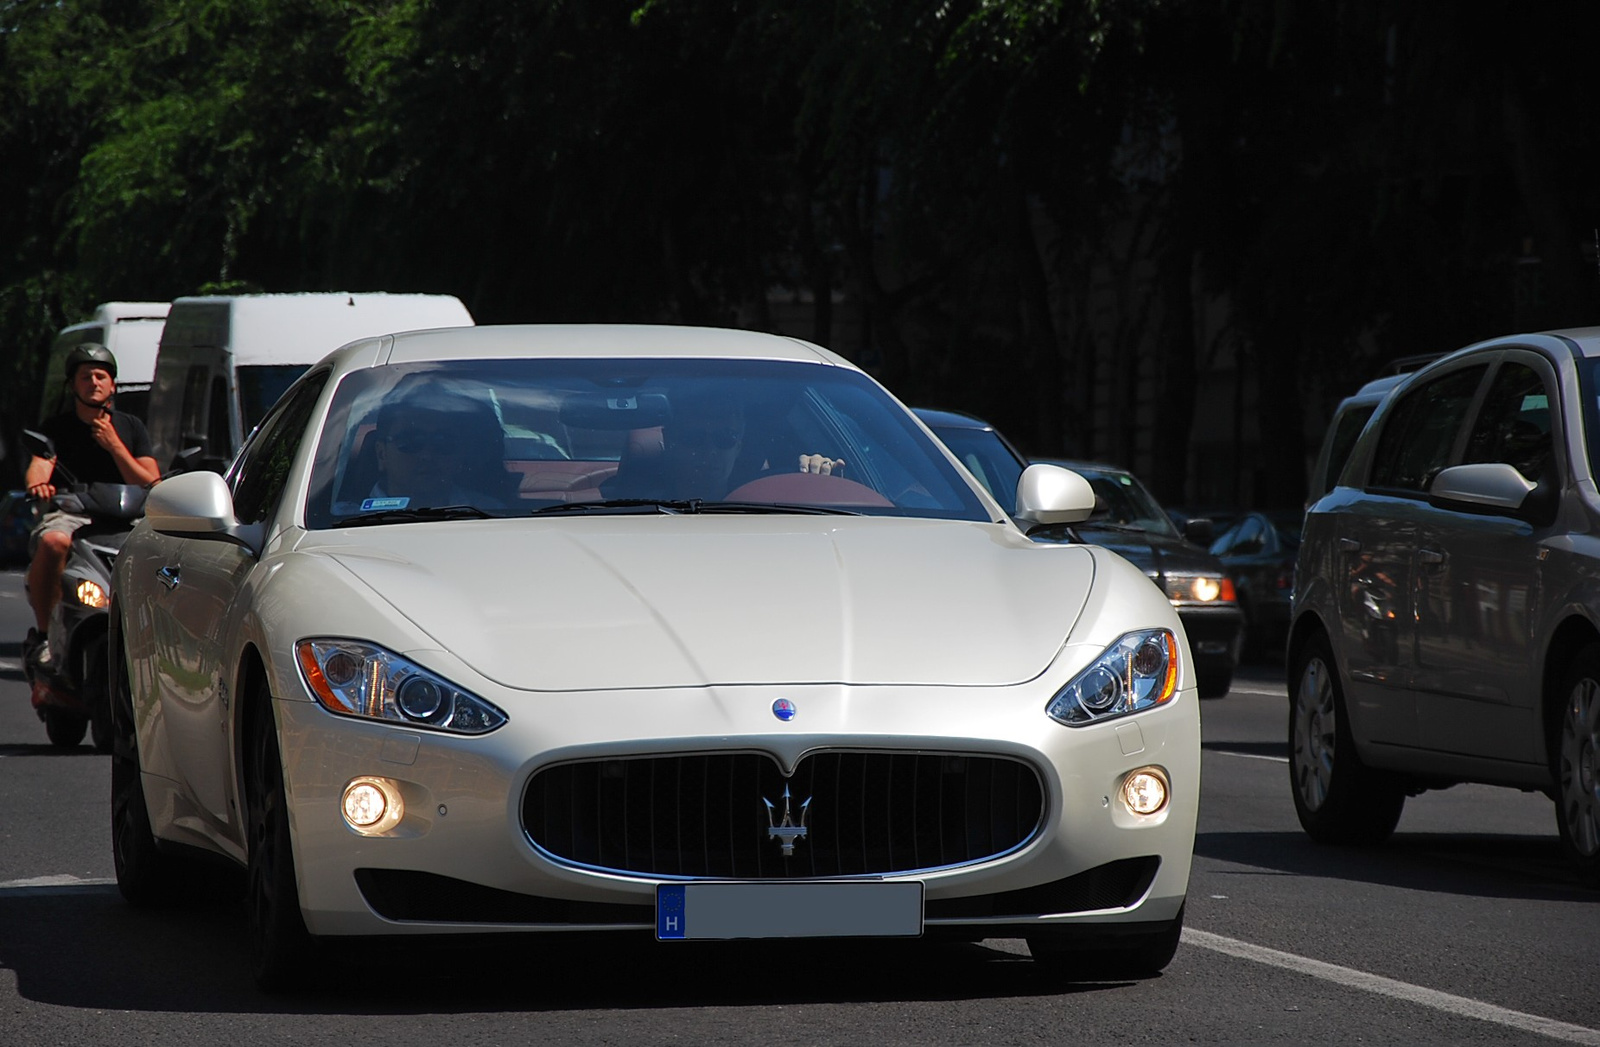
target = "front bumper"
x: 460, y: 860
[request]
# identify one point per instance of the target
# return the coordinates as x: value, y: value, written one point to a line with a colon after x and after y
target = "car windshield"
x: 564, y: 437
x: 1122, y: 501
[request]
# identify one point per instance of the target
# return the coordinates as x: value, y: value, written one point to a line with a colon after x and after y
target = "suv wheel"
x: 1575, y: 763
x: 1337, y: 797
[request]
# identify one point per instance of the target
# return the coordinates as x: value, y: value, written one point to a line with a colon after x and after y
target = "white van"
x: 225, y: 359
x: 132, y: 331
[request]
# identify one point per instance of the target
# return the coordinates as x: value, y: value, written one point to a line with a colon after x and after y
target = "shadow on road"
x: 83, y: 947
x: 1474, y: 865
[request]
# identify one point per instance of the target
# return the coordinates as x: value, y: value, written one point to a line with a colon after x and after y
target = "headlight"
x: 1202, y: 588
x: 89, y: 594
x: 1138, y: 672
x: 357, y: 679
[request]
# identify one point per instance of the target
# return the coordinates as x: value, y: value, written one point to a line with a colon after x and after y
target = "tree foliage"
x: 1065, y: 216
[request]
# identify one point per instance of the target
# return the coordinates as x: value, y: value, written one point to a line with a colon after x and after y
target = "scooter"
x: 69, y: 693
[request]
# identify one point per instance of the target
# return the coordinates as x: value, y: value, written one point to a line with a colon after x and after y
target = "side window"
x: 1421, y: 430
x: 258, y: 476
x: 1347, y: 427
x: 1247, y: 540
x: 219, y: 440
x: 1513, y: 426
x: 193, y: 412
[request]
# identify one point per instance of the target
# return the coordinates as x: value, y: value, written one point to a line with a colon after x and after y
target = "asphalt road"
x: 1465, y: 929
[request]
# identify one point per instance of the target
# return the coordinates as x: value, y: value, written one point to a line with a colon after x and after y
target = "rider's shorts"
x: 55, y: 520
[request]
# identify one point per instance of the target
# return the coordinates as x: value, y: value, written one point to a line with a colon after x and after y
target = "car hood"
x: 628, y: 602
x: 1156, y: 555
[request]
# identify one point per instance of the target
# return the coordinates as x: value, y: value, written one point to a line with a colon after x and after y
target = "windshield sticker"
x: 374, y: 504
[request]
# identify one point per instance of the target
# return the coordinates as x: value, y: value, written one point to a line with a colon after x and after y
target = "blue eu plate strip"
x: 669, y: 911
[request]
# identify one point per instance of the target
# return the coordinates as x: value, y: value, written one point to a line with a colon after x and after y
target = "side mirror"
x: 1199, y: 530
x: 1481, y: 487
x: 1049, y: 494
x: 194, y: 504
x: 38, y: 444
x: 186, y: 460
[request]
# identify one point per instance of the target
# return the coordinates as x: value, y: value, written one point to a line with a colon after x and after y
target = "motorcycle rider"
x: 94, y: 443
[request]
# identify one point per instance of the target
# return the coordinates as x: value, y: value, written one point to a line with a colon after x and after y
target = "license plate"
x: 832, y: 909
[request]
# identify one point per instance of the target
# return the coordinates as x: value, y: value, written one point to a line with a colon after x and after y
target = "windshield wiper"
x: 774, y: 507
x: 1107, y: 525
x: 440, y: 512
x: 689, y: 506
x: 619, y: 505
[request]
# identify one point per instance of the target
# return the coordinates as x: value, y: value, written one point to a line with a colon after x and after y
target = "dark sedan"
x: 1128, y: 521
x: 1259, y: 551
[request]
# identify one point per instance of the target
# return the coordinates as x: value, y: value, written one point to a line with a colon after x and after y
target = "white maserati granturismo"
x: 674, y: 632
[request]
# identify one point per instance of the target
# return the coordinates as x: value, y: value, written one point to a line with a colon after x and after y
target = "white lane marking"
x: 10, y: 665
x: 34, y: 883
x: 1250, y: 756
x: 1256, y: 690
x: 1441, y: 1001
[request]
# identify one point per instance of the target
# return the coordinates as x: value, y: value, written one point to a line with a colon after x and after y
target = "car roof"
x: 1085, y: 465
x: 597, y: 341
x: 934, y: 416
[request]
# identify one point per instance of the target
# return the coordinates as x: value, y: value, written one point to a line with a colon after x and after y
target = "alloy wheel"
x: 1315, y: 723
x: 1579, y: 773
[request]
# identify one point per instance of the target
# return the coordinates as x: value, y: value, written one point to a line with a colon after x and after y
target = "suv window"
x: 1420, y: 431
x: 1513, y: 425
x: 1346, y: 428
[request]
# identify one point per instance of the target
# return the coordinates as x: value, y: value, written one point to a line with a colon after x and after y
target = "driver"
x: 94, y: 444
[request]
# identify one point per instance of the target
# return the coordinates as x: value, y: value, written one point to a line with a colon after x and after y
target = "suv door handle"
x: 169, y: 577
x: 1432, y: 557
x: 1349, y: 545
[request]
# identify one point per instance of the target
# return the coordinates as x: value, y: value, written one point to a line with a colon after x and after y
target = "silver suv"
x: 1446, y: 619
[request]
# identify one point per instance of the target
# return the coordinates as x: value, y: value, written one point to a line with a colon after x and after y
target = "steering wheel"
x: 808, y: 489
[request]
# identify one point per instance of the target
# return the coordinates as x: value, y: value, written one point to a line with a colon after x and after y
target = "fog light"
x: 91, y: 595
x: 1145, y: 791
x: 372, y: 806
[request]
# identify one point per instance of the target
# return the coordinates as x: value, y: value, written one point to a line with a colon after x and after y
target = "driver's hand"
x: 821, y: 464
x: 44, y: 492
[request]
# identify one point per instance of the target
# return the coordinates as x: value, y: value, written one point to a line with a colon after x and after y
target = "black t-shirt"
x: 86, y: 460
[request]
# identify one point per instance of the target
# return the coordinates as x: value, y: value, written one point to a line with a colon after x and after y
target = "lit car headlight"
x: 1201, y: 588
x: 89, y: 594
x: 1138, y: 672
x: 358, y: 679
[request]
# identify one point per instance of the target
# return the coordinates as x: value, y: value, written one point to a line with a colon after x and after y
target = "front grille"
x: 704, y: 816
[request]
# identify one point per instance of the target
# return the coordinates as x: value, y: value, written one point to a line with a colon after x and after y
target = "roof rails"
x: 1407, y: 364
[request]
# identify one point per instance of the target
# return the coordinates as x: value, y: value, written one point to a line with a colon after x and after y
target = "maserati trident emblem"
x: 786, y: 831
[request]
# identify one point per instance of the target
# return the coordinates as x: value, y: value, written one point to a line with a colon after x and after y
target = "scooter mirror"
x: 38, y: 444
x: 185, y: 460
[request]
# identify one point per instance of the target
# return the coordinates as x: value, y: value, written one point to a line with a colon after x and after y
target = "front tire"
x: 1214, y: 683
x: 65, y: 730
x: 279, y: 943
x: 1575, y: 763
x: 1338, y: 799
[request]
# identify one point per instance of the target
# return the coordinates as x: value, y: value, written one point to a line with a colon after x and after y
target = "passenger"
x: 95, y: 444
